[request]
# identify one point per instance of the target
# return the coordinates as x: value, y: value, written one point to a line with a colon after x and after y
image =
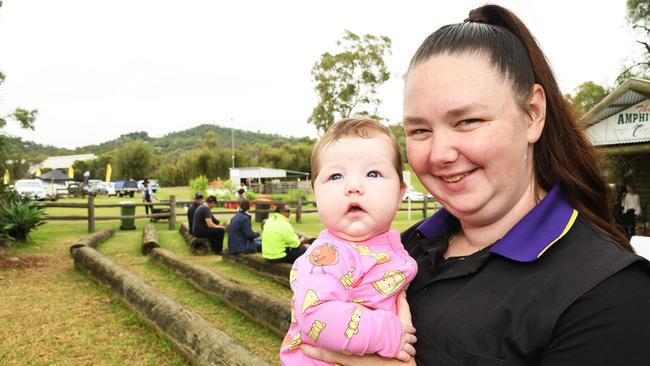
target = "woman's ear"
x: 536, y: 107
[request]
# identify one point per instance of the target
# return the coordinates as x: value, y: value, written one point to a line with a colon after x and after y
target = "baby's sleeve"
x: 325, y: 311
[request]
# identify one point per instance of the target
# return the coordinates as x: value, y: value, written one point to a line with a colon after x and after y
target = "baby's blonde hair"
x: 355, y: 127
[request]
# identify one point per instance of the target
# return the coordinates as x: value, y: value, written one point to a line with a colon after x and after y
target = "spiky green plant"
x: 19, y: 218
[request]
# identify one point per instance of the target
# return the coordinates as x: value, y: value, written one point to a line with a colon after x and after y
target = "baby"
x: 346, y: 285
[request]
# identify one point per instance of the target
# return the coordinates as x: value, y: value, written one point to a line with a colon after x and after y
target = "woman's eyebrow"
x: 464, y: 109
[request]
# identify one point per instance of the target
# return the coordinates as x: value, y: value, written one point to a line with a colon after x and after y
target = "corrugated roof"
x: 633, y: 91
x: 64, y: 161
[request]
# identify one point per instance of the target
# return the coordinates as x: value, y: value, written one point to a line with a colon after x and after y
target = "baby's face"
x: 357, y: 189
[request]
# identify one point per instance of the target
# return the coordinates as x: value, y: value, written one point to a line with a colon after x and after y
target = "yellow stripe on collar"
x: 568, y: 226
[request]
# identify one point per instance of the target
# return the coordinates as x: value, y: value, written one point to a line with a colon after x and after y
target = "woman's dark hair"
x: 562, y: 155
x: 245, y: 205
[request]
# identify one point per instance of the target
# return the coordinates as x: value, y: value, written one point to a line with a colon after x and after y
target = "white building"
x: 63, y: 161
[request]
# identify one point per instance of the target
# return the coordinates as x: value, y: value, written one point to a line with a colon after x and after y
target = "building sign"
x: 629, y: 126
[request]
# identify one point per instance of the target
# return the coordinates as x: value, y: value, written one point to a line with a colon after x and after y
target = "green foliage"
x: 250, y: 195
x: 638, y: 16
x: 134, y: 160
x: 347, y: 82
x: 19, y: 218
x: 96, y: 167
x: 199, y: 184
x: 586, y: 96
x: 295, y: 194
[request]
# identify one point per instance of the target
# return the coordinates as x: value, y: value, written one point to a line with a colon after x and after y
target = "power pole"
x: 232, y: 140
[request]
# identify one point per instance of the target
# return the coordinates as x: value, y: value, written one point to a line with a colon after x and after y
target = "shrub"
x: 18, y: 219
x: 199, y: 184
x: 295, y: 194
x: 250, y: 195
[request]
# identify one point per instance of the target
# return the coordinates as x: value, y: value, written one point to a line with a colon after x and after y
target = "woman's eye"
x: 418, y: 131
x: 336, y: 176
x: 469, y: 122
x: 373, y: 174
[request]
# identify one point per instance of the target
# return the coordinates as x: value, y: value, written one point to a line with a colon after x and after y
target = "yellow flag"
x: 70, y: 172
x: 38, y: 172
x: 5, y: 180
x: 109, y: 171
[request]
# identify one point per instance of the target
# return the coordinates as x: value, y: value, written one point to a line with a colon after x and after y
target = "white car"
x: 32, y: 189
x: 413, y: 195
x: 107, y: 188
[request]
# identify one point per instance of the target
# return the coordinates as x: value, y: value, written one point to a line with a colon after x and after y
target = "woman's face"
x: 469, y: 139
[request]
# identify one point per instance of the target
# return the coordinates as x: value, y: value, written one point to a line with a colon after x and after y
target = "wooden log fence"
x: 199, y: 246
x: 299, y: 208
x: 190, y: 333
x: 259, y: 307
x: 277, y: 271
x: 92, y: 240
x: 150, y: 239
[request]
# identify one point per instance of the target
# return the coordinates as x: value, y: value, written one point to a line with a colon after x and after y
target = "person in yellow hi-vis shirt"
x: 280, y: 243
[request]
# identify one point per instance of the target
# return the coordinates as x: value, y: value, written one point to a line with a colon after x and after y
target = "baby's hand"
x: 406, y: 350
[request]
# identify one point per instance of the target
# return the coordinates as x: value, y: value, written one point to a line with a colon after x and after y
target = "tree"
x: 586, y: 96
x: 638, y: 16
x: 347, y: 82
x: 134, y: 160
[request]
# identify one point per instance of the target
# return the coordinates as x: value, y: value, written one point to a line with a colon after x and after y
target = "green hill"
x: 173, y: 142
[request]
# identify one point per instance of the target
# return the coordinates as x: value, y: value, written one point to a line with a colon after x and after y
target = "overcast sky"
x: 99, y: 69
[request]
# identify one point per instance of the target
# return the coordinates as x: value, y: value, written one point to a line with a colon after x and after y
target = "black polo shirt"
x: 553, y: 291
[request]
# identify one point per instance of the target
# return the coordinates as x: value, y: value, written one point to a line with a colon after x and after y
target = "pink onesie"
x: 345, y: 297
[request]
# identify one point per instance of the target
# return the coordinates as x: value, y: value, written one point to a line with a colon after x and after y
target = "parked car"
x: 33, y: 189
x: 107, y: 188
x: 126, y: 188
x: 413, y: 195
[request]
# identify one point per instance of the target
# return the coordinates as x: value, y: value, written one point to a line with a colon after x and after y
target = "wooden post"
x: 172, y: 212
x: 91, y: 213
x: 424, y: 207
x: 299, y: 210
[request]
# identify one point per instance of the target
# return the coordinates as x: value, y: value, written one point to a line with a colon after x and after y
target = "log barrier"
x: 191, y: 334
x: 92, y: 240
x: 277, y: 271
x: 150, y: 239
x: 259, y: 307
x: 200, y: 246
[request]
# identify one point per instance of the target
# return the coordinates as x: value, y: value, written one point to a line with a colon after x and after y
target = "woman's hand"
x: 347, y: 359
x: 408, y: 332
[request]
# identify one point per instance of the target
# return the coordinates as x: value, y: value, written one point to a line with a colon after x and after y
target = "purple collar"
x: 542, y: 227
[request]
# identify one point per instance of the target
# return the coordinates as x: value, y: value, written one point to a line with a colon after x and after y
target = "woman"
x: 523, y: 265
x: 631, y: 210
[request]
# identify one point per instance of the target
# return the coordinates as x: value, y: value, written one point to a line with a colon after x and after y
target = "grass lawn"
x: 50, y: 314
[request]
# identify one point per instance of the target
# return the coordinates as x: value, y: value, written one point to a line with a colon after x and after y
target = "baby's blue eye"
x: 336, y: 176
x: 373, y: 174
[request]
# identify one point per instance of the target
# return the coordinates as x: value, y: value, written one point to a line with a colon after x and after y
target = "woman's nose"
x: 443, y: 149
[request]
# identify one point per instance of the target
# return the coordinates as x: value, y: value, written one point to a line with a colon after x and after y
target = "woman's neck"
x: 473, y: 237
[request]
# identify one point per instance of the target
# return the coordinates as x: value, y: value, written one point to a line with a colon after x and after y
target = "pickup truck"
x: 126, y: 188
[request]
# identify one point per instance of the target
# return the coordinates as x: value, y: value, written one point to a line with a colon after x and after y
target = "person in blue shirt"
x: 241, y: 237
x: 523, y: 265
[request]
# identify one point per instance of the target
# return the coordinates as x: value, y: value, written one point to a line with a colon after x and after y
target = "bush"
x: 250, y: 195
x: 200, y: 184
x: 295, y: 194
x: 18, y: 219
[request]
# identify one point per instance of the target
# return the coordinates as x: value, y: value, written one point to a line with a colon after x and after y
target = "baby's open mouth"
x: 355, y: 208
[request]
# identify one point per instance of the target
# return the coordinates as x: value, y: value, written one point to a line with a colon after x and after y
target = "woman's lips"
x: 456, y: 177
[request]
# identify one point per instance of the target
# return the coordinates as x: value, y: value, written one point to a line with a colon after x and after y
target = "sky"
x: 98, y: 69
